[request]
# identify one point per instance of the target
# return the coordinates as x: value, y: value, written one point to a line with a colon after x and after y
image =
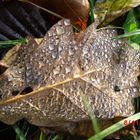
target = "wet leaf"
x: 60, y: 68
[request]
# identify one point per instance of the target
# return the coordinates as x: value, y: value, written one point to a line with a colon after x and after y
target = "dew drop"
x: 68, y: 69
x: 49, y: 34
x: 60, y: 48
x: 108, y: 31
x: 134, y: 90
x: 41, y: 64
x: 60, y: 30
x: 51, y: 47
x: 92, y: 79
x: 10, y: 78
x: 119, y: 41
x: 54, y: 55
x: 106, y: 56
x: 66, y: 22
x: 98, y: 80
x: 76, y: 47
x: 120, y: 74
x: 96, y: 53
x: 85, y: 50
x: 102, y: 53
x: 113, y: 44
x: 56, y: 70
x: 56, y: 42
x: 71, y: 52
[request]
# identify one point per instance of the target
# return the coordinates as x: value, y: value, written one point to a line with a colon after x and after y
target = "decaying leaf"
x: 76, y: 10
x: 108, y: 10
x: 10, y: 56
x: 63, y: 66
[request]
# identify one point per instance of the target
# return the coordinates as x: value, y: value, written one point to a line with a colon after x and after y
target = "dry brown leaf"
x: 109, y: 10
x: 76, y: 10
x: 62, y: 67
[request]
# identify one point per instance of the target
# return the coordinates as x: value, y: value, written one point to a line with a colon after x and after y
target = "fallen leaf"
x: 63, y: 66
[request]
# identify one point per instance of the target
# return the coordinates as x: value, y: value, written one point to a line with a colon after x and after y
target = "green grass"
x: 91, y: 114
x: 114, y: 128
x: 91, y: 14
x: 9, y: 43
x: 19, y: 133
x: 131, y: 30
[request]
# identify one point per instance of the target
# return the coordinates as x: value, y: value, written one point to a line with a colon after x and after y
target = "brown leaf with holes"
x: 64, y: 66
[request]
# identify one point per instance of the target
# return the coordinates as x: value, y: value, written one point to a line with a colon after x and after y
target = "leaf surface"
x: 64, y: 66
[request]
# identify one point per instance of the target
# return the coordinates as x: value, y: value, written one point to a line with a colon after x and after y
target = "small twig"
x: 109, y: 28
x: 44, y: 9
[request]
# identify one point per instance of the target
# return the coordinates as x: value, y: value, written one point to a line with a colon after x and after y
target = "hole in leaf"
x: 116, y: 88
x: 0, y: 96
x: 26, y: 90
x: 138, y: 77
x: 14, y: 93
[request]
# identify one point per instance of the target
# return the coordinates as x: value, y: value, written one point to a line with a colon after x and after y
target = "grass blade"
x: 129, y: 34
x: 91, y: 114
x: 114, y: 127
x: 42, y: 136
x: 12, y: 42
x: 19, y: 133
x: 91, y: 18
